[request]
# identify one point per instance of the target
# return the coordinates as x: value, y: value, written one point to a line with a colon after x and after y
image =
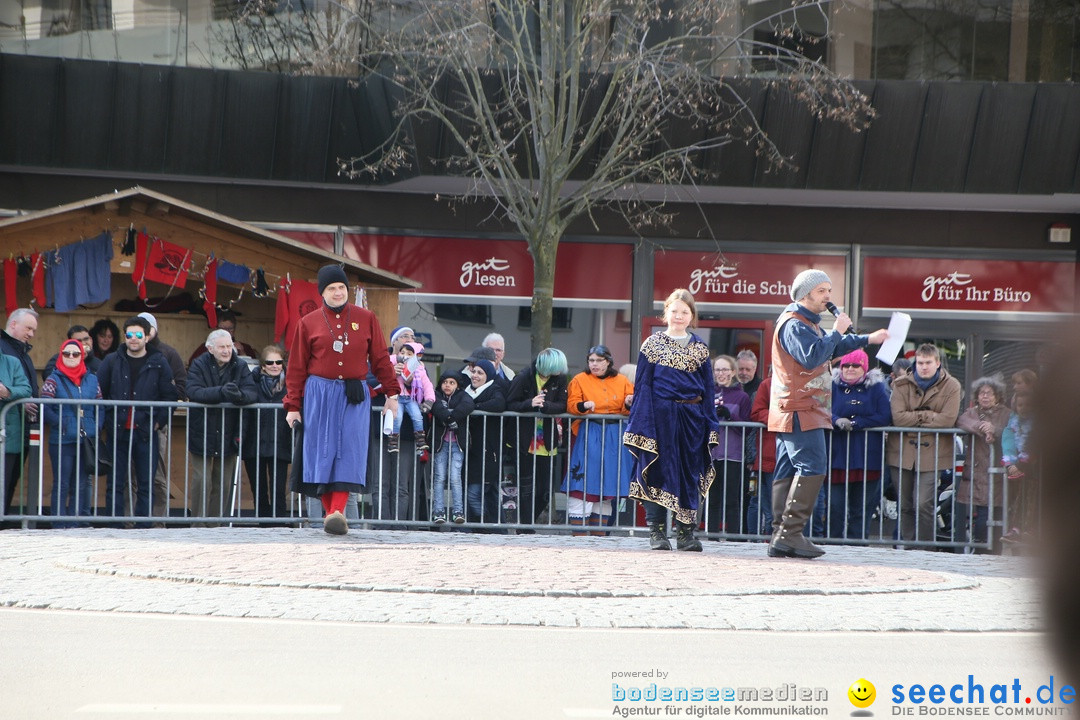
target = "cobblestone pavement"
x: 372, y: 576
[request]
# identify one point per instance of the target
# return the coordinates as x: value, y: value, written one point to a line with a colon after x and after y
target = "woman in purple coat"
x: 725, y: 501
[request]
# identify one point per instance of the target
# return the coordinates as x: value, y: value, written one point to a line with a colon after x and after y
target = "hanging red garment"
x: 281, y: 310
x: 302, y: 297
x: 210, y: 292
x: 11, y: 301
x: 138, y: 275
x: 167, y: 263
x: 37, y: 278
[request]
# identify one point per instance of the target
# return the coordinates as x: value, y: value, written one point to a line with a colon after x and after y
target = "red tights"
x: 334, y: 501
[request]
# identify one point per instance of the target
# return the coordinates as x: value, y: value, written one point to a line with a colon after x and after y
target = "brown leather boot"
x: 421, y: 441
x: 780, y: 489
x: 790, y: 541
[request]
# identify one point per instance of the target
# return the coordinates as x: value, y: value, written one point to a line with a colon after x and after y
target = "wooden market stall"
x: 193, y: 235
x: 204, y: 234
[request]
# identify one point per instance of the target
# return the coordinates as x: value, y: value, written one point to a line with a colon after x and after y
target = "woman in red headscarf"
x: 68, y: 423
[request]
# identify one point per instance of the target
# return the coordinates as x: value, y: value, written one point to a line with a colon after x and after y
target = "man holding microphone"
x: 800, y: 405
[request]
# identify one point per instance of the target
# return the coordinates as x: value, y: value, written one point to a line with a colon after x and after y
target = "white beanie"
x: 806, y: 281
x: 149, y: 318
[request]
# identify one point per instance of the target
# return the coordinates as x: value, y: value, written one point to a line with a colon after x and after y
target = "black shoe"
x: 658, y: 537
x: 684, y: 538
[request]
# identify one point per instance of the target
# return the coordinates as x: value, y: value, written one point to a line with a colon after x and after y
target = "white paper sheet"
x: 898, y: 329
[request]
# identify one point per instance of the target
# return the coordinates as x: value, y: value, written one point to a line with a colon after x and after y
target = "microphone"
x: 836, y: 313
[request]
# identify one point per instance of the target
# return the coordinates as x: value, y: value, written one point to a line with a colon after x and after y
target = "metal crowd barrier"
x: 505, y: 488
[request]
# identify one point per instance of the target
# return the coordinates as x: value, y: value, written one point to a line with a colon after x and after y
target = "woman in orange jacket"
x: 599, y: 469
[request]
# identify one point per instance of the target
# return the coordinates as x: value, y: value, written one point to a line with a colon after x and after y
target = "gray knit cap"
x: 806, y: 281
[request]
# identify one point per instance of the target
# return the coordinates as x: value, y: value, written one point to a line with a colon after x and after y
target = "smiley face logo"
x: 862, y: 693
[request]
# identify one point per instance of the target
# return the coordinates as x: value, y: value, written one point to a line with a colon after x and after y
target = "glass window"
x: 456, y: 312
x: 560, y: 318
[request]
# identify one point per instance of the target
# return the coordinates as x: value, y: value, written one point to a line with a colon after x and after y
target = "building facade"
x: 956, y: 205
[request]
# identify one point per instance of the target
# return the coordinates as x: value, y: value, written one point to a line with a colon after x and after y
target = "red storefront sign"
x: 741, y: 278
x: 482, y: 268
x: 967, y: 286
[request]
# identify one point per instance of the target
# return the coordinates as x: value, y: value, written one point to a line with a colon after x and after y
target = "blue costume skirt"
x: 599, y: 463
x: 672, y: 465
x: 335, y: 438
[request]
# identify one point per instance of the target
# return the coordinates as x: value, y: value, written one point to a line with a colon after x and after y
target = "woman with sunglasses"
x: 68, y: 424
x: 859, y: 401
x: 268, y: 438
x: 599, y: 470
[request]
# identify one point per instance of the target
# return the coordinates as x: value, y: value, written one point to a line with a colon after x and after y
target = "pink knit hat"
x: 856, y: 357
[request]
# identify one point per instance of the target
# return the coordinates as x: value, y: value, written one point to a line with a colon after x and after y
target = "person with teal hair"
x: 539, y: 388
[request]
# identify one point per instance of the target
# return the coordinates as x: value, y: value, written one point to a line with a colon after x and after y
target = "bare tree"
x: 560, y: 109
x: 304, y: 37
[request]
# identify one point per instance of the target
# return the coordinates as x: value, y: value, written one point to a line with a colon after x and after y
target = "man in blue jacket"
x: 135, y: 371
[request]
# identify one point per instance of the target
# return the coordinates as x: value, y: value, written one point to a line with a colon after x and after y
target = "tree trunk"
x: 543, y: 249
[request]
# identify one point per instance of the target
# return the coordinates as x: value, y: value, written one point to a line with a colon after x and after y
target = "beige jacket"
x: 938, y: 407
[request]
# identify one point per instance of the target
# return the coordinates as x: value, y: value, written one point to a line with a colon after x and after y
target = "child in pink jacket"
x: 417, y: 394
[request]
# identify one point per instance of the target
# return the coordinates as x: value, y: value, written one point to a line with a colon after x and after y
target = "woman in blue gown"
x: 673, y: 425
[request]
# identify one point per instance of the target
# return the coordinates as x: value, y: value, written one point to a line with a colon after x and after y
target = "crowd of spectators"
x: 488, y: 466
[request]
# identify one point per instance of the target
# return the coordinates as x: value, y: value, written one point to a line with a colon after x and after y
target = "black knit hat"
x: 330, y: 274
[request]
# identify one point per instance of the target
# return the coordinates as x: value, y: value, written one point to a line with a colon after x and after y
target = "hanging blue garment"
x: 232, y: 273
x: 79, y: 273
x: 98, y: 266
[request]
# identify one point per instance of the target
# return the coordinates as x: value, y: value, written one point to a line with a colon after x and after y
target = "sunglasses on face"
x: 137, y: 335
x: 273, y: 362
x: 851, y: 365
x: 71, y: 354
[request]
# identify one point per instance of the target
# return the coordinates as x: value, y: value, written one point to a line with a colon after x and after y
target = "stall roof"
x: 201, y: 230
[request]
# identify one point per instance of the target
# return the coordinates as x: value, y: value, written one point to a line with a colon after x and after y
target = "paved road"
x: 461, y: 578
x: 149, y: 666
x: 256, y: 622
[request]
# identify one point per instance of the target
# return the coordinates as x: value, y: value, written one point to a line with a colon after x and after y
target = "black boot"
x: 658, y: 536
x: 684, y: 538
